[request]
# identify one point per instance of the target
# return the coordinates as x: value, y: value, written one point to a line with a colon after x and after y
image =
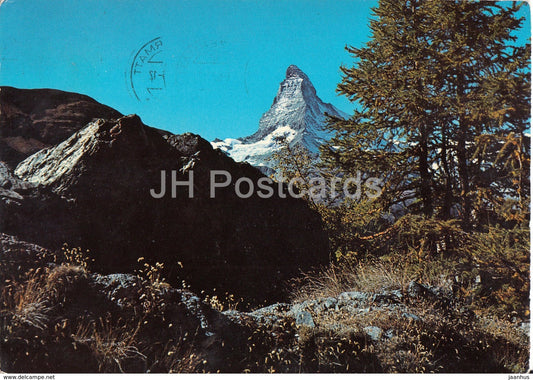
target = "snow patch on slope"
x: 256, y: 153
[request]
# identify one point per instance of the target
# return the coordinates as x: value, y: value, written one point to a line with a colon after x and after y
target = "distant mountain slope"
x: 297, y: 114
x: 33, y: 119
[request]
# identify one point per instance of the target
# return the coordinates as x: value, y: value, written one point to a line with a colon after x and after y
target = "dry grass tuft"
x: 112, y: 344
x: 371, y: 276
x: 28, y: 304
x: 444, y: 338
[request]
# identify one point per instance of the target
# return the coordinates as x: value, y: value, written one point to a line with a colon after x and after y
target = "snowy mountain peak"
x: 297, y: 114
x: 296, y: 87
x: 294, y: 71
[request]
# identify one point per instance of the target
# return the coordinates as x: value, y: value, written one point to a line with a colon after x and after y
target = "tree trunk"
x: 462, y: 166
x: 448, y: 190
x: 425, y: 175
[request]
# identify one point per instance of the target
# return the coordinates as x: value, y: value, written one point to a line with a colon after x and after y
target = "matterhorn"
x: 297, y: 115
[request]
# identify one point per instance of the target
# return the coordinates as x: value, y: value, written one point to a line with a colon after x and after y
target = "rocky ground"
x: 57, y: 316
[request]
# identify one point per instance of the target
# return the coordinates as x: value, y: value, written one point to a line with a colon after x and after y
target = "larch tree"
x: 436, y: 81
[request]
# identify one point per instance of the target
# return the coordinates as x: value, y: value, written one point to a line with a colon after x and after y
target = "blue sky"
x: 222, y: 60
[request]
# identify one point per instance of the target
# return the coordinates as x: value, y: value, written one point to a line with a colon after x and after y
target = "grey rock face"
x: 416, y: 290
x: 12, y: 188
x: 18, y: 256
x: 356, y: 296
x: 411, y: 316
x: 375, y: 333
x: 304, y: 318
x: 393, y: 296
x: 119, y: 287
x: 526, y: 327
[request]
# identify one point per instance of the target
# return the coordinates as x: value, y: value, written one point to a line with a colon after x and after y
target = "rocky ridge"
x: 92, y: 190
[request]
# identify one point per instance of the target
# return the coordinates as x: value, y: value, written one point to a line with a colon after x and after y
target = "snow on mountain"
x: 297, y: 114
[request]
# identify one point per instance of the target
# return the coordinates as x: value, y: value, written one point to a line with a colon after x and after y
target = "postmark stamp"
x: 147, y: 71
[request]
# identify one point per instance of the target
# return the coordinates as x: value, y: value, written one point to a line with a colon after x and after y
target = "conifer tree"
x: 435, y: 79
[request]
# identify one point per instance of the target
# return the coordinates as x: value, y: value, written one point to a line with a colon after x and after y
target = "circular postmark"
x: 147, y: 71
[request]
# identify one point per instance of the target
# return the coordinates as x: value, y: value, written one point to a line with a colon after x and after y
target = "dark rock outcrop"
x: 17, y: 257
x: 93, y: 190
